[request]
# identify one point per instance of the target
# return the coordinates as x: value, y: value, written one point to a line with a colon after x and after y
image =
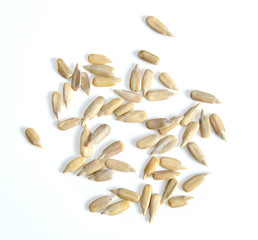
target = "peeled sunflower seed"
x: 63, y: 69
x: 98, y: 59
x: 154, y: 206
x: 148, y: 57
x: 101, y: 176
x: 33, y: 137
x: 126, y: 194
x: 196, y: 152
x: 105, y: 81
x: 68, y: 123
x: 110, y: 107
x: 204, y: 97
x: 205, y: 126
x: 56, y: 103
x: 217, y: 125
x: 116, y: 208
x: 164, y: 145
x: 100, y: 203
x: 100, y: 69
x: 147, y: 81
x: 159, y: 95
x: 158, y: 26
x: 178, y: 201
x: 193, y: 182
x: 76, y: 78
x: 112, y: 150
x: 174, y: 122
x: 164, y: 174
x: 119, y: 165
x: 136, y: 79
x: 190, y: 131
x: 92, y: 167
x: 150, y: 167
x: 171, y: 163
x: 66, y: 94
x: 93, y: 109
x: 125, y: 108
x: 157, y: 123
x: 133, y: 117
x: 86, y: 151
x: 169, y: 189
x: 168, y: 81
x: 129, y: 96
x: 145, y: 198
x: 189, y: 115
x: 148, y: 142
x: 99, y: 134
x: 74, y: 165
x: 85, y: 83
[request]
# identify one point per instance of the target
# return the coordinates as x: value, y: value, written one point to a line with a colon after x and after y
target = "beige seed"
x: 119, y: 165
x: 68, y: 123
x: 148, y: 57
x: 112, y: 150
x: 102, y: 81
x: 125, y: 108
x: 129, y: 96
x: 100, y: 203
x: 164, y: 174
x: 190, y: 131
x: 63, y: 69
x: 150, y: 167
x: 66, y: 94
x: 136, y: 79
x: 158, y: 26
x: 99, y: 134
x: 154, y: 206
x: 145, y: 198
x: 116, y: 208
x: 126, y: 194
x: 175, y: 122
x: 33, y: 137
x: 169, y: 189
x: 204, y: 97
x: 196, y: 152
x: 85, y: 83
x: 101, y: 176
x: 190, y: 114
x: 74, y: 165
x: 157, y: 123
x: 98, y: 59
x: 133, y: 117
x: 205, y: 126
x: 110, y: 107
x: 193, y: 182
x: 100, y: 69
x: 92, y: 167
x: 217, y: 125
x: 171, y: 163
x: 159, y: 95
x: 178, y: 201
x: 76, y: 78
x: 147, y: 81
x: 86, y: 151
x: 164, y: 145
x: 93, y: 109
x: 148, y: 142
x: 56, y: 103
x: 167, y: 81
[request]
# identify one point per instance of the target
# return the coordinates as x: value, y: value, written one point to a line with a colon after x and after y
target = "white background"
x: 214, y: 49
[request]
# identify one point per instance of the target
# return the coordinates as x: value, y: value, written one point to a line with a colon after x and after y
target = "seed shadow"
x: 53, y: 63
x: 188, y: 92
x: 128, y: 75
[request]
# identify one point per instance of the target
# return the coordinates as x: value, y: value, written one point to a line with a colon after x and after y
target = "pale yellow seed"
x: 205, y: 126
x: 85, y: 83
x: 204, y: 97
x: 86, y: 151
x: 148, y: 57
x: 196, y: 152
x: 218, y: 125
x: 136, y: 79
x: 56, y: 103
x: 66, y: 94
x: 167, y: 81
x: 99, y: 134
x: 116, y: 208
x: 63, y: 69
x: 147, y: 81
x: 175, y: 122
x: 112, y: 150
x: 101, y: 176
x: 169, y: 189
x: 100, y: 203
x: 92, y: 167
x: 133, y: 117
x: 102, y: 81
x: 145, y: 198
x: 100, y: 69
x: 110, y: 107
x: 98, y: 59
x: 158, y: 123
x: 129, y: 96
x: 125, y: 108
x: 171, y: 163
x: 119, y: 165
x: 76, y: 78
x: 179, y: 201
x: 33, y: 137
x: 193, y: 182
x: 74, y: 165
x: 126, y: 194
x: 158, y: 26
x: 68, y: 123
x: 154, y: 206
x: 190, y: 114
x: 159, y: 95
x: 164, y: 174
x: 190, y: 131
x: 164, y: 145
x: 148, y: 142
x: 150, y: 167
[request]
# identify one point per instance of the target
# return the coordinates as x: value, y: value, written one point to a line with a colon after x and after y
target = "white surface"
x: 214, y: 49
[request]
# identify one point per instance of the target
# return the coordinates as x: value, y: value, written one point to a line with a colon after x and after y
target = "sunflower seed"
x: 145, y: 198
x: 56, y: 103
x: 193, y: 182
x: 63, y: 69
x: 112, y: 150
x: 110, y: 107
x: 99, y: 134
x: 148, y: 142
x: 178, y: 201
x: 76, y: 78
x: 100, y: 69
x: 169, y: 189
x: 154, y: 206
x: 189, y: 115
x: 196, y: 152
x: 164, y: 174
x: 136, y: 79
x: 124, y: 109
x: 205, y: 126
x: 217, y: 125
x: 204, y: 97
x: 74, y: 165
x: 133, y: 117
x: 175, y: 121
x: 101, y: 176
x: 86, y: 151
x: 92, y: 167
x: 66, y: 94
x: 157, y: 123
x: 150, y: 167
x: 98, y: 59
x: 158, y: 26
x: 104, y: 81
x: 100, y: 203
x: 116, y: 208
x: 129, y: 96
x: 164, y: 145
x: 126, y: 194
x: 147, y: 81
x: 167, y: 81
x: 171, y: 163
x: 33, y: 137
x: 119, y: 165
x: 159, y: 95
x: 148, y: 57
x: 68, y: 123
x: 85, y: 83
x: 190, y: 131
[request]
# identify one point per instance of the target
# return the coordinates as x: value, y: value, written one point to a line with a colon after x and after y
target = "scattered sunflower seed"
x: 204, y: 97
x: 100, y: 203
x: 101, y: 176
x: 126, y: 194
x: 154, y: 206
x: 148, y: 57
x: 105, y: 81
x: 86, y: 151
x: 190, y: 131
x: 136, y: 79
x: 68, y: 123
x: 76, y: 78
x: 169, y: 189
x: 164, y: 145
x: 146, y: 197
x: 112, y: 150
x: 99, y: 134
x: 98, y: 59
x: 189, y: 115
x: 158, y: 26
x: 159, y: 95
x: 56, y: 103
x: 148, y: 142
x: 193, y: 182
x: 110, y: 107
x: 100, y: 69
x: 178, y: 201
x: 205, y: 126
x: 150, y: 167
x: 116, y: 208
x: 157, y: 123
x: 85, y: 83
x: 125, y: 108
x: 33, y: 137
x: 92, y: 167
x: 119, y: 165
x: 133, y: 117
x: 147, y: 81
x: 74, y: 165
x: 217, y: 125
x: 171, y: 163
x: 164, y: 174
x: 129, y: 96
x: 167, y: 81
x: 66, y: 94
x: 63, y: 69
x: 196, y: 152
x: 174, y: 122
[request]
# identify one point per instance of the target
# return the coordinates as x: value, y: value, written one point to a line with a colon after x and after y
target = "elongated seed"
x: 76, y: 78
x: 159, y: 95
x: 190, y: 131
x: 190, y: 114
x: 104, y: 81
x: 63, y: 69
x: 110, y: 107
x: 101, y: 176
x: 99, y: 134
x: 193, y: 182
x: 74, y: 165
x: 126, y: 194
x: 119, y: 165
x: 66, y: 94
x: 146, y: 197
x: 154, y: 206
x: 204, y: 97
x: 178, y: 201
x: 125, y: 108
x: 158, y: 123
x: 171, y: 163
x: 86, y: 151
x: 112, y: 150
x: 98, y: 59
x: 217, y: 125
x: 33, y: 137
x: 85, y: 83
x: 169, y: 189
x: 196, y: 152
x: 136, y: 79
x: 158, y: 26
x: 100, y: 203
x: 56, y: 103
x: 150, y: 167
x: 129, y: 96
x: 205, y: 126
x: 116, y: 208
x: 167, y: 81
x: 147, y: 81
x: 164, y: 145
x: 175, y: 122
x: 68, y: 123
x: 92, y: 167
x: 100, y: 69
x: 148, y: 142
x: 148, y: 57
x: 164, y: 174
x: 133, y: 117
